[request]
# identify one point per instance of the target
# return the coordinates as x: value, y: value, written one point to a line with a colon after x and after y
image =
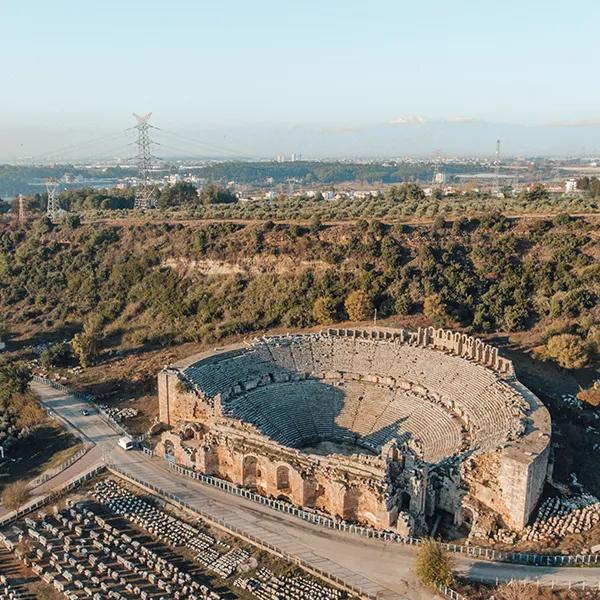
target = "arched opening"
x: 250, y: 472
x: 351, y: 504
x: 283, y: 478
x: 404, y: 501
x: 169, y: 450
x: 467, y: 518
x: 188, y: 433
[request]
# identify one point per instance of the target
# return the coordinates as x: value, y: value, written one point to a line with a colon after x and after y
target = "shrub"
x: 435, y: 309
x: 15, y: 495
x: 56, y: 355
x: 593, y: 341
x: 568, y: 350
x: 359, y: 306
x: 324, y: 310
x: 434, y: 564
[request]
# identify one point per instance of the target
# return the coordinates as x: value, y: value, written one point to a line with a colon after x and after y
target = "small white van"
x: 126, y: 442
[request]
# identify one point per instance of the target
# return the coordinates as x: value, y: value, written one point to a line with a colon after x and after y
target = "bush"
x: 324, y: 310
x: 15, y: 495
x: 435, y: 309
x: 359, y: 306
x: 56, y: 355
x: 568, y: 350
x: 14, y: 379
x: 27, y: 409
x: 593, y: 341
x: 434, y: 564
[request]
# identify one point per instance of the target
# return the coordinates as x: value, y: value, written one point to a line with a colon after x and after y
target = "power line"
x: 76, y: 147
x: 200, y: 143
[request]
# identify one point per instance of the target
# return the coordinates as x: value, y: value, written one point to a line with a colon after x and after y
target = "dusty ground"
x: 45, y: 448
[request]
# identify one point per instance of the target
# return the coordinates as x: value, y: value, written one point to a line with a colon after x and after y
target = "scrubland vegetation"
x: 166, y: 283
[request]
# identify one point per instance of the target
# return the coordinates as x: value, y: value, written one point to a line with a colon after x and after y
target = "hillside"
x: 157, y: 283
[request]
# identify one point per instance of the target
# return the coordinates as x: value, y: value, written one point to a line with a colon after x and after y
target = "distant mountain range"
x: 416, y: 136
x: 403, y: 136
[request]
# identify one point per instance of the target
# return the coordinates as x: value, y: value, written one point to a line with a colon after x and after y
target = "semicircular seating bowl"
x: 305, y: 389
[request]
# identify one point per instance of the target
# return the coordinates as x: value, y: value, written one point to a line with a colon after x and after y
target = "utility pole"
x: 53, y: 207
x: 144, y: 194
x: 497, y: 170
x: 21, y: 201
x: 438, y: 175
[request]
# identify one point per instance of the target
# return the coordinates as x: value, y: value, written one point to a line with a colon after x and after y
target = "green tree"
x: 315, y: 224
x: 434, y: 564
x: 212, y: 194
x: 439, y: 223
x: 359, y: 306
x: 14, y: 379
x: 15, y: 495
x: 85, y: 344
x: 568, y: 350
x: 324, y: 310
x: 56, y: 355
x: 181, y: 193
x: 435, y: 309
x: 72, y: 221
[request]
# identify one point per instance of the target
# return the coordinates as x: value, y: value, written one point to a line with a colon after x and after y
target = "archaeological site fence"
x: 524, y: 558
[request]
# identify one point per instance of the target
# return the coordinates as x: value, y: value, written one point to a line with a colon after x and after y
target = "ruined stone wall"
x: 522, y: 479
x: 321, y: 483
x: 178, y: 402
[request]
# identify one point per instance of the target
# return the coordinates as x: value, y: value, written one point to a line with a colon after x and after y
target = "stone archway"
x: 169, y: 450
x: 467, y: 517
x: 250, y: 472
x: 282, y: 478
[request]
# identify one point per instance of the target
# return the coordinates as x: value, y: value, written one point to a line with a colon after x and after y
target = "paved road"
x: 380, y: 567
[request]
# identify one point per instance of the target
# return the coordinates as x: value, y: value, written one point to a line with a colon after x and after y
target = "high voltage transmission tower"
x: 497, y: 169
x: 21, y: 209
x: 53, y: 207
x: 144, y: 194
x: 439, y: 176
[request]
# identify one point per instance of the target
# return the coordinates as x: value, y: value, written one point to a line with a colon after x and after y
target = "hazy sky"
x: 73, y: 70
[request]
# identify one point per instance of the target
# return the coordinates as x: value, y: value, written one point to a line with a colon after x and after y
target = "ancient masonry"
x: 384, y: 427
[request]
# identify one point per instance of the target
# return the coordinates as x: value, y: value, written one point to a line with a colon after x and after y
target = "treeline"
x: 28, y: 180
x: 156, y: 283
x: 323, y: 173
x: 591, y: 185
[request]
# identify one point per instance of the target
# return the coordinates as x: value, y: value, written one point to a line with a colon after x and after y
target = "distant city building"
x: 570, y: 186
x: 440, y: 178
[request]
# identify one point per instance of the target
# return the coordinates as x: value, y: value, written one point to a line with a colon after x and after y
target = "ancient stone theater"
x: 383, y: 427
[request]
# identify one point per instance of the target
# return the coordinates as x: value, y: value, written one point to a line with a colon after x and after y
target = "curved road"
x: 375, y: 566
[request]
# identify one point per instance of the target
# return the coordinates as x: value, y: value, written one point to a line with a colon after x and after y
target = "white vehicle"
x: 126, y: 443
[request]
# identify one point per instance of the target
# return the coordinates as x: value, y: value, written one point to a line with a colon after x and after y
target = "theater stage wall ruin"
x: 383, y: 427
